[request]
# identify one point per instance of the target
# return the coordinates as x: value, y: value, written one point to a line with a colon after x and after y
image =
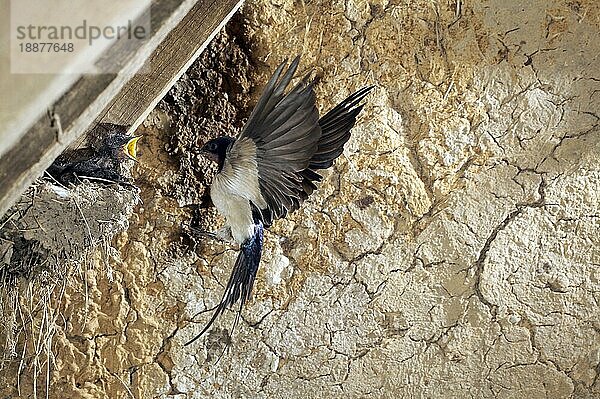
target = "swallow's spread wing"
x: 335, y: 127
x: 285, y: 131
x: 286, y: 143
x: 335, y: 132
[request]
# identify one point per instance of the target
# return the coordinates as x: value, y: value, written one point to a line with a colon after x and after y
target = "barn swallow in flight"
x: 271, y: 168
x: 109, y: 147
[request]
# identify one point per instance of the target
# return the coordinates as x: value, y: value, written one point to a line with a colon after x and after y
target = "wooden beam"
x: 32, y: 93
x: 184, y: 30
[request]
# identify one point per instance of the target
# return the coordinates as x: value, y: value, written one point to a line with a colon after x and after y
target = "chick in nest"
x: 109, y: 148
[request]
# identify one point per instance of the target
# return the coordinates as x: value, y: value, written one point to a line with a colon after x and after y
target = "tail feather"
x: 241, y: 281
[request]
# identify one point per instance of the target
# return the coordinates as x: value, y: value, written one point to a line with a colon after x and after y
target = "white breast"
x: 234, y: 208
x: 240, y: 172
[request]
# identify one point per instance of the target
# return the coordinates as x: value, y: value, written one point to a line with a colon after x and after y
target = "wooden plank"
x: 125, y: 98
x: 190, y: 38
x: 32, y: 93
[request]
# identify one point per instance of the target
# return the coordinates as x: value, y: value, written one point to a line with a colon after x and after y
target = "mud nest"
x: 49, y: 235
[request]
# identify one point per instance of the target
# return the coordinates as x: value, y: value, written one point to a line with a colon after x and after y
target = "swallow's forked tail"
x: 239, y: 286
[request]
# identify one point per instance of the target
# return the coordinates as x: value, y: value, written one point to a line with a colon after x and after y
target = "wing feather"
x: 284, y: 128
x: 290, y: 143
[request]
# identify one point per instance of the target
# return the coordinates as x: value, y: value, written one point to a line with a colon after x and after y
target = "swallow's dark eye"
x: 211, y: 147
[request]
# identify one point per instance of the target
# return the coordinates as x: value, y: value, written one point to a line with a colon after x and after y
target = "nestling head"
x: 121, y: 145
x: 216, y: 149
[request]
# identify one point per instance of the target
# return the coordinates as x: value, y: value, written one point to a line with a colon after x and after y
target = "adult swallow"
x: 109, y: 147
x: 271, y: 167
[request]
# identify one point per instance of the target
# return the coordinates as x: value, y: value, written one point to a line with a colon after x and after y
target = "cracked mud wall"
x: 453, y: 252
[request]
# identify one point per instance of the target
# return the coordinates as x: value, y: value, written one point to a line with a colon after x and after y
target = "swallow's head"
x: 121, y: 146
x: 216, y: 149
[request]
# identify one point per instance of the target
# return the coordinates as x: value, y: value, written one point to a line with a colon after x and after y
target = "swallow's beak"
x: 131, y: 148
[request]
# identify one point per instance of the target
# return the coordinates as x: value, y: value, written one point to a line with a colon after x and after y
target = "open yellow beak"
x: 131, y: 148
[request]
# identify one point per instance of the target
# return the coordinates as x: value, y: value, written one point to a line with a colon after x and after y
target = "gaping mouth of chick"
x: 131, y: 148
